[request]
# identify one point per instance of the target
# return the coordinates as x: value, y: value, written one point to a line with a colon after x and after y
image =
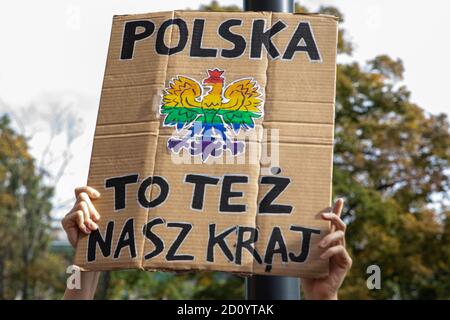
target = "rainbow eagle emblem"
x: 210, y: 114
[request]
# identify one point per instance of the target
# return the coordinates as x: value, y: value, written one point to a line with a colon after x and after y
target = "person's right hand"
x: 82, y: 216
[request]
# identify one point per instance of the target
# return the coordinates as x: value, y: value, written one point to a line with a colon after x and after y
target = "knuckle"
x: 79, y: 215
x: 83, y: 197
x: 88, y: 191
x: 87, y: 198
x: 91, y: 190
x: 79, y: 190
x: 95, y: 214
x: 94, y: 210
x: 82, y: 204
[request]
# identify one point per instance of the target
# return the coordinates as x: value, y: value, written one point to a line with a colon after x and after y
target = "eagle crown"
x: 214, y: 96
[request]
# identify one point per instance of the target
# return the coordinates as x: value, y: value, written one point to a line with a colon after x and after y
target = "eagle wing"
x: 181, y: 102
x: 243, y: 104
x: 242, y: 95
x: 183, y: 92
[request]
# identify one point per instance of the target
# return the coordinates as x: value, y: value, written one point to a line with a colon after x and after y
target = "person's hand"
x: 82, y: 216
x: 340, y: 261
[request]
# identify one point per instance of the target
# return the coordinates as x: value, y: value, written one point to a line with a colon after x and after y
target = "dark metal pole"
x: 271, y: 287
x: 269, y: 5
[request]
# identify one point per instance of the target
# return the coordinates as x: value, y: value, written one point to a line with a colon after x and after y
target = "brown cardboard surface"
x: 287, y: 153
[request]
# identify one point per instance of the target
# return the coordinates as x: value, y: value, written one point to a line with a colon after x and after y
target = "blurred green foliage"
x: 215, y: 6
x: 27, y: 267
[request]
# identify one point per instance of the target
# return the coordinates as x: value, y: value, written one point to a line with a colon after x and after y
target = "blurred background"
x: 392, y: 147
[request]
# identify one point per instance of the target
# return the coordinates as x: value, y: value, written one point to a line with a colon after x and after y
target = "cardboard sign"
x: 214, y: 142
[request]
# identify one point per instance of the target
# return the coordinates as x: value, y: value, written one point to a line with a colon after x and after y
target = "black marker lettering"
x: 247, y: 244
x: 218, y: 240
x: 226, y: 194
x: 157, y: 242
x: 161, y: 47
x: 163, y: 187
x: 196, y: 45
x: 95, y: 238
x: 279, y: 185
x: 119, y: 184
x: 237, y: 40
x: 200, y: 182
x: 131, y: 36
x: 303, y: 41
x: 126, y: 239
x: 276, y: 240
x: 262, y: 38
x: 306, y: 240
x: 171, y: 253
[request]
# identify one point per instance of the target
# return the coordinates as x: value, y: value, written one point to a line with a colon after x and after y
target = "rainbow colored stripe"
x: 183, y: 117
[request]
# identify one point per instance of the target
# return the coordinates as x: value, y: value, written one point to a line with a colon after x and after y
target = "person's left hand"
x: 340, y: 261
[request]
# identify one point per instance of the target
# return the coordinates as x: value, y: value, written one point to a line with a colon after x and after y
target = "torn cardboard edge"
x: 306, y: 14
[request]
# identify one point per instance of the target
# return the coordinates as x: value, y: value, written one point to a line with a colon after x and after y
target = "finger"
x: 337, y: 223
x: 86, y: 219
x: 67, y: 220
x: 93, y: 213
x: 92, y: 193
x: 335, y: 251
x: 337, y: 210
x: 87, y: 216
x: 340, y: 254
x: 338, y: 206
x: 79, y: 220
x: 337, y: 236
x: 85, y: 204
x: 70, y: 219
